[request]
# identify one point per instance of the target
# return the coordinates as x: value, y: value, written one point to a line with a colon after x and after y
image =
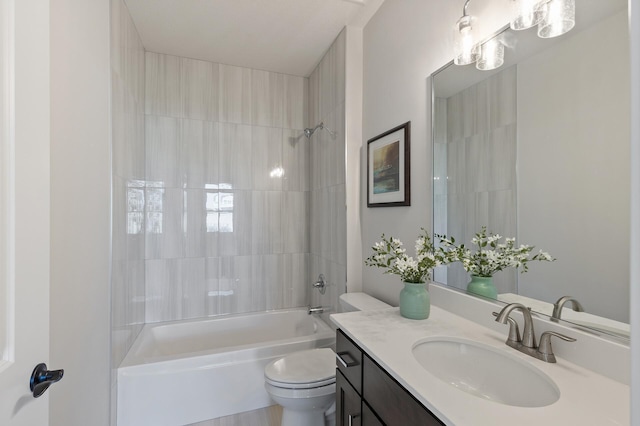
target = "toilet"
x: 304, y: 383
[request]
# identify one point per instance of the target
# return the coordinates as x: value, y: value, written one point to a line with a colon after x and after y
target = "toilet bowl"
x: 304, y: 383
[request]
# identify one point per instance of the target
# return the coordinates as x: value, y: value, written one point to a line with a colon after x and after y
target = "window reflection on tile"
x: 154, y: 210
x: 219, y: 206
x: 226, y: 221
x: 135, y: 207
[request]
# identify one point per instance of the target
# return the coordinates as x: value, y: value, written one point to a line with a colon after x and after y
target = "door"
x: 24, y: 212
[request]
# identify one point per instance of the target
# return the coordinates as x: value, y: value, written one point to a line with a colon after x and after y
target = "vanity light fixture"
x: 553, y: 17
x: 491, y: 56
x: 558, y: 18
x: 467, y: 50
x: 526, y: 13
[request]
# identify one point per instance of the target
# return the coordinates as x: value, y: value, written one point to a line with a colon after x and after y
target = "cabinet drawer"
x: 392, y: 403
x: 349, y: 360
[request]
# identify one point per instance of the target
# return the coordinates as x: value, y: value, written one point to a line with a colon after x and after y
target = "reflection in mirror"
x: 538, y: 150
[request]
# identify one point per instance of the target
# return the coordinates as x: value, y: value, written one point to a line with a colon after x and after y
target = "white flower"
x: 486, y: 261
x: 493, y: 238
x: 390, y: 255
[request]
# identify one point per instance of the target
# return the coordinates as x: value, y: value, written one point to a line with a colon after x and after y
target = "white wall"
x: 634, y: 17
x: 80, y: 211
x: 404, y: 43
x: 584, y: 147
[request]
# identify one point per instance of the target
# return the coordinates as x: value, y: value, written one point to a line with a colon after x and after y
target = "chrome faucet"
x: 527, y: 344
x: 528, y: 337
x: 557, y: 307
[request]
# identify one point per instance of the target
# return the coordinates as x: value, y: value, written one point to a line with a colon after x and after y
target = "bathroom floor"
x: 268, y: 416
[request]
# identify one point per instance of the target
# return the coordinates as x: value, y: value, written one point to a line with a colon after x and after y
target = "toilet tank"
x: 357, y: 301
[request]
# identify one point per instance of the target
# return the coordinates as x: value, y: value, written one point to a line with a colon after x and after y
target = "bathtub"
x: 188, y: 371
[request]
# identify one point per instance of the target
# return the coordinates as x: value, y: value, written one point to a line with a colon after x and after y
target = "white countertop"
x: 586, y: 398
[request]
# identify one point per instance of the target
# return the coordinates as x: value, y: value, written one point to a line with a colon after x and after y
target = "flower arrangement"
x: 491, y: 256
x: 390, y: 255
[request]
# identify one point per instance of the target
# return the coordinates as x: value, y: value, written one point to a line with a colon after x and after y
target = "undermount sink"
x: 485, y: 372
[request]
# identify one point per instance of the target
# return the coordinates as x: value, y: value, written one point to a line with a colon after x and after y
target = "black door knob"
x: 41, y: 379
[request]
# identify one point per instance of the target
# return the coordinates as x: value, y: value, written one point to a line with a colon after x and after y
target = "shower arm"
x: 308, y: 131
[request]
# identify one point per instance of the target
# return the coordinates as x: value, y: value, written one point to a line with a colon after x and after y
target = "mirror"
x: 538, y: 150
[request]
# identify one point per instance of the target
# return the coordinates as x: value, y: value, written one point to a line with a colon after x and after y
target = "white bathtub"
x: 187, y: 371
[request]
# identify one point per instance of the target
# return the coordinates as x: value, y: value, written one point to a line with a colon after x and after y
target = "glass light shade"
x: 559, y: 17
x: 466, y: 49
x: 526, y: 13
x: 491, y: 56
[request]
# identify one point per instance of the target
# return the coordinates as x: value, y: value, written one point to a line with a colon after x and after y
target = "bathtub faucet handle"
x: 320, y: 284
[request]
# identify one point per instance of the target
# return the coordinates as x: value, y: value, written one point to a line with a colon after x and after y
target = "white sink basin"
x: 485, y: 372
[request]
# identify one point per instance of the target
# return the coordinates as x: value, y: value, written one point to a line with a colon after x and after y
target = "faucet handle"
x: 514, y: 330
x: 545, y: 350
x: 320, y: 284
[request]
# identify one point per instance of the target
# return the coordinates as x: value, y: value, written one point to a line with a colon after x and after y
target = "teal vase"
x: 482, y: 286
x: 415, y: 302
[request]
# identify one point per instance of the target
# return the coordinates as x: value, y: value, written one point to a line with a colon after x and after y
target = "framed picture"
x: 388, y: 168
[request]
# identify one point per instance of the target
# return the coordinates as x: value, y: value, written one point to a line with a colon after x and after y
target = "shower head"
x: 308, y: 131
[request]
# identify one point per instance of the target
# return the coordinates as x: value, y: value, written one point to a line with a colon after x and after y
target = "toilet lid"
x: 310, y: 368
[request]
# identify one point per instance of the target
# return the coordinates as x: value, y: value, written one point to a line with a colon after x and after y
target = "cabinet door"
x: 391, y: 402
x: 348, y: 403
x: 368, y: 418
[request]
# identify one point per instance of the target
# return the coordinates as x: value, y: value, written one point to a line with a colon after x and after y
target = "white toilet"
x: 304, y: 383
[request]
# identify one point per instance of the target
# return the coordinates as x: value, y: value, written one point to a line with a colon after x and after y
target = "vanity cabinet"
x: 366, y: 395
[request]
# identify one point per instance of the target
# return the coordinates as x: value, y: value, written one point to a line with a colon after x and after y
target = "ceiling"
x: 287, y: 36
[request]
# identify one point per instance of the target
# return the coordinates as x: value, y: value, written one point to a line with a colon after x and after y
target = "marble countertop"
x: 586, y: 398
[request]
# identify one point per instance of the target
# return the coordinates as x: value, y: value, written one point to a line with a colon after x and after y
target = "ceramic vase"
x: 482, y: 286
x: 415, y: 302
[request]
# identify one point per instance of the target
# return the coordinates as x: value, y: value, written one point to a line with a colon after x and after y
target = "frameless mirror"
x: 538, y: 150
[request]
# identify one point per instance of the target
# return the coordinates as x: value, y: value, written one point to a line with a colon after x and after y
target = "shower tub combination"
x: 189, y: 371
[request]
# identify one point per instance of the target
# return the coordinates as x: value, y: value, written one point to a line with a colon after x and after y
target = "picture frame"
x: 389, y: 168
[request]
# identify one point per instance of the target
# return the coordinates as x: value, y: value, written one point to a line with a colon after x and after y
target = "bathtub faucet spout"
x: 316, y: 310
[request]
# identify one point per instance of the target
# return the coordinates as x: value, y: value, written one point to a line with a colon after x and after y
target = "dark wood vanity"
x: 366, y: 395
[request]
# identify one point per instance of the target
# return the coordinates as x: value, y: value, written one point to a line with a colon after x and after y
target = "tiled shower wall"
x: 475, y: 168
x: 128, y: 177
x: 227, y: 189
x: 328, y: 198
x: 128, y: 168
